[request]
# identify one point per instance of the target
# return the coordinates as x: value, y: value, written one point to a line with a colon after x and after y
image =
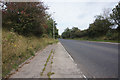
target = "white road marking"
x: 70, y: 56
x: 76, y: 65
x: 67, y: 53
x: 84, y: 76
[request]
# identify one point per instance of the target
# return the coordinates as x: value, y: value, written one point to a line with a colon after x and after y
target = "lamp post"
x: 53, y: 29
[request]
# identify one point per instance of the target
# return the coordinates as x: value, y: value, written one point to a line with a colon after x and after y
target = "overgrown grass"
x: 16, y: 49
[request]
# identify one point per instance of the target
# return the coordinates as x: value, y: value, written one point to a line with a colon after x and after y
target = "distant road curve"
x: 94, y: 59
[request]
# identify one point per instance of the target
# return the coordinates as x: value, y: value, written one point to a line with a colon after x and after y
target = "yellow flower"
x: 14, y: 45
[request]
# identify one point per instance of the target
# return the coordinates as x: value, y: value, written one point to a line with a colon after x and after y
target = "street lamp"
x: 53, y: 28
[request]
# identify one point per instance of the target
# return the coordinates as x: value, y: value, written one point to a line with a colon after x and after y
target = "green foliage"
x: 66, y: 33
x: 71, y: 33
x: 24, y: 18
x: 99, y: 27
x: 75, y: 32
x: 112, y: 35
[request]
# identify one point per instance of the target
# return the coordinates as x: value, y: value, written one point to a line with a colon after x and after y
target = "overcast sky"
x: 78, y: 13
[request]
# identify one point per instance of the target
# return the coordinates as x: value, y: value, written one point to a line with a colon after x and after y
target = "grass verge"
x: 16, y: 49
x: 97, y: 40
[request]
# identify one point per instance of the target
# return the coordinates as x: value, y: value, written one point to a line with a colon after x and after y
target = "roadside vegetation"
x: 106, y: 27
x: 17, y: 48
x: 26, y: 28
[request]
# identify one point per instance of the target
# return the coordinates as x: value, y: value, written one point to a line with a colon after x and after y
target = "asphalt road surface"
x: 94, y: 59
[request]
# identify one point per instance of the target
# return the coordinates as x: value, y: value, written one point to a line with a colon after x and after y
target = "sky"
x: 77, y: 13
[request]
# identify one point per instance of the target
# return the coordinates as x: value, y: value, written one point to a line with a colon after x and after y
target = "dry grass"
x: 16, y: 49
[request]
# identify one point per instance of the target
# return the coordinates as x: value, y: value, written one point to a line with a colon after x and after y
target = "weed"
x: 46, y: 62
x: 49, y: 74
x: 51, y: 62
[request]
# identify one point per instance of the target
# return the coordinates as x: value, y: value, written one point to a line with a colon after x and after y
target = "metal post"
x: 53, y: 29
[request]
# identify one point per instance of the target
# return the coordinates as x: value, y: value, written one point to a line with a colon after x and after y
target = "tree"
x: 71, y: 33
x: 99, y: 27
x: 25, y: 18
x: 66, y: 33
x: 75, y: 32
x: 116, y: 16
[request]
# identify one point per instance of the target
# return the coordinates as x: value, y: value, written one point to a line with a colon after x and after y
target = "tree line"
x: 105, y: 26
x: 28, y: 18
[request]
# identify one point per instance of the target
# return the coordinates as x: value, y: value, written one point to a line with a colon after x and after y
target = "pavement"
x: 94, y: 59
x: 63, y: 65
x: 53, y: 59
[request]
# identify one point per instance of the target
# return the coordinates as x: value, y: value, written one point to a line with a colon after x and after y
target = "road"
x: 94, y: 59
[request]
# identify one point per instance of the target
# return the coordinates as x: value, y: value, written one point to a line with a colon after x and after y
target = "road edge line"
x: 68, y: 53
x: 73, y: 60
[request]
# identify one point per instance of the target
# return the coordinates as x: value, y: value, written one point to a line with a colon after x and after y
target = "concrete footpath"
x: 63, y: 65
x: 53, y: 62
